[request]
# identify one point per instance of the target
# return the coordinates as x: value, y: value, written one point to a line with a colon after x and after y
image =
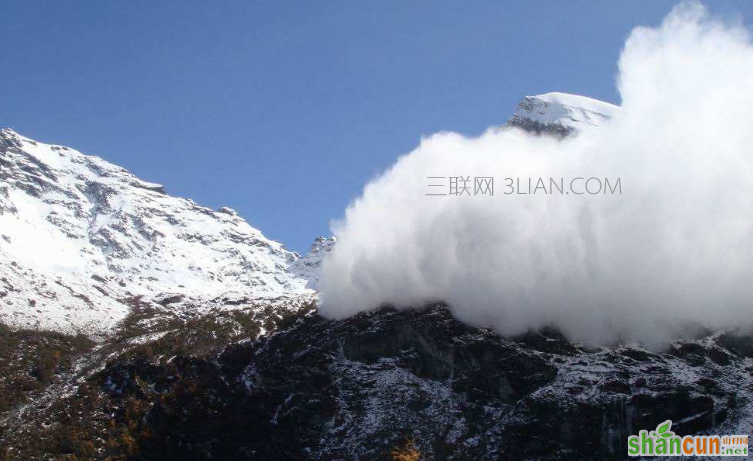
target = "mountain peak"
x: 7, y: 135
x: 561, y: 113
x: 309, y: 266
x: 80, y: 236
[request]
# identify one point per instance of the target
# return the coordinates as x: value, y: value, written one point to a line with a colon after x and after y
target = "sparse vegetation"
x: 202, y: 389
x: 31, y: 360
x: 406, y: 451
x: 156, y: 367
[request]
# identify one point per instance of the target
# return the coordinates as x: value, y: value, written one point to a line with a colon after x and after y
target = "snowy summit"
x: 79, y: 237
x: 561, y: 113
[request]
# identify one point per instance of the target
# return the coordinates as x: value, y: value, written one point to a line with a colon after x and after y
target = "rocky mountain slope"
x: 370, y: 386
x: 79, y: 237
x: 209, y: 346
x: 309, y: 266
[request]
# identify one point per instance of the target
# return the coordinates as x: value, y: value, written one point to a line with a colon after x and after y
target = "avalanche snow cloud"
x: 675, y: 249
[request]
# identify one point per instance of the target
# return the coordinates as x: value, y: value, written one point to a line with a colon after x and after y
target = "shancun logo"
x: 664, y: 442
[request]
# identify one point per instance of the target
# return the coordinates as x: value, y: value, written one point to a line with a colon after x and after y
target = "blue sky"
x: 284, y: 110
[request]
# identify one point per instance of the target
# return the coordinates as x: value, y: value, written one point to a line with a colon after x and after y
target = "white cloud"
x: 675, y: 247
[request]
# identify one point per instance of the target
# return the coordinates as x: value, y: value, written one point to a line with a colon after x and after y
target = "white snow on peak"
x: 562, y: 113
x: 80, y: 237
x: 309, y: 266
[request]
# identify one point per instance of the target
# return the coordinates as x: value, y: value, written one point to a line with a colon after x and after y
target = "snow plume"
x: 674, y: 249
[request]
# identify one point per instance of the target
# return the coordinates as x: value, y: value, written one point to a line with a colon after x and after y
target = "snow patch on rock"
x: 562, y: 113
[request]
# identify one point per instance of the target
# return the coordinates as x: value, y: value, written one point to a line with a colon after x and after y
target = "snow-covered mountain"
x: 561, y: 113
x: 309, y: 266
x: 80, y: 236
x: 220, y: 320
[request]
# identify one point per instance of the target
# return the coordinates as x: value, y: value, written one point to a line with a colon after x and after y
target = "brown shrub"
x: 406, y: 452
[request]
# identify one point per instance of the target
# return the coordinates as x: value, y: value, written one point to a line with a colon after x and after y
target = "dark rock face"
x: 533, y: 126
x: 357, y: 388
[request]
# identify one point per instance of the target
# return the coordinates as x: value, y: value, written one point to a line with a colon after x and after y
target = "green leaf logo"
x: 663, y: 429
